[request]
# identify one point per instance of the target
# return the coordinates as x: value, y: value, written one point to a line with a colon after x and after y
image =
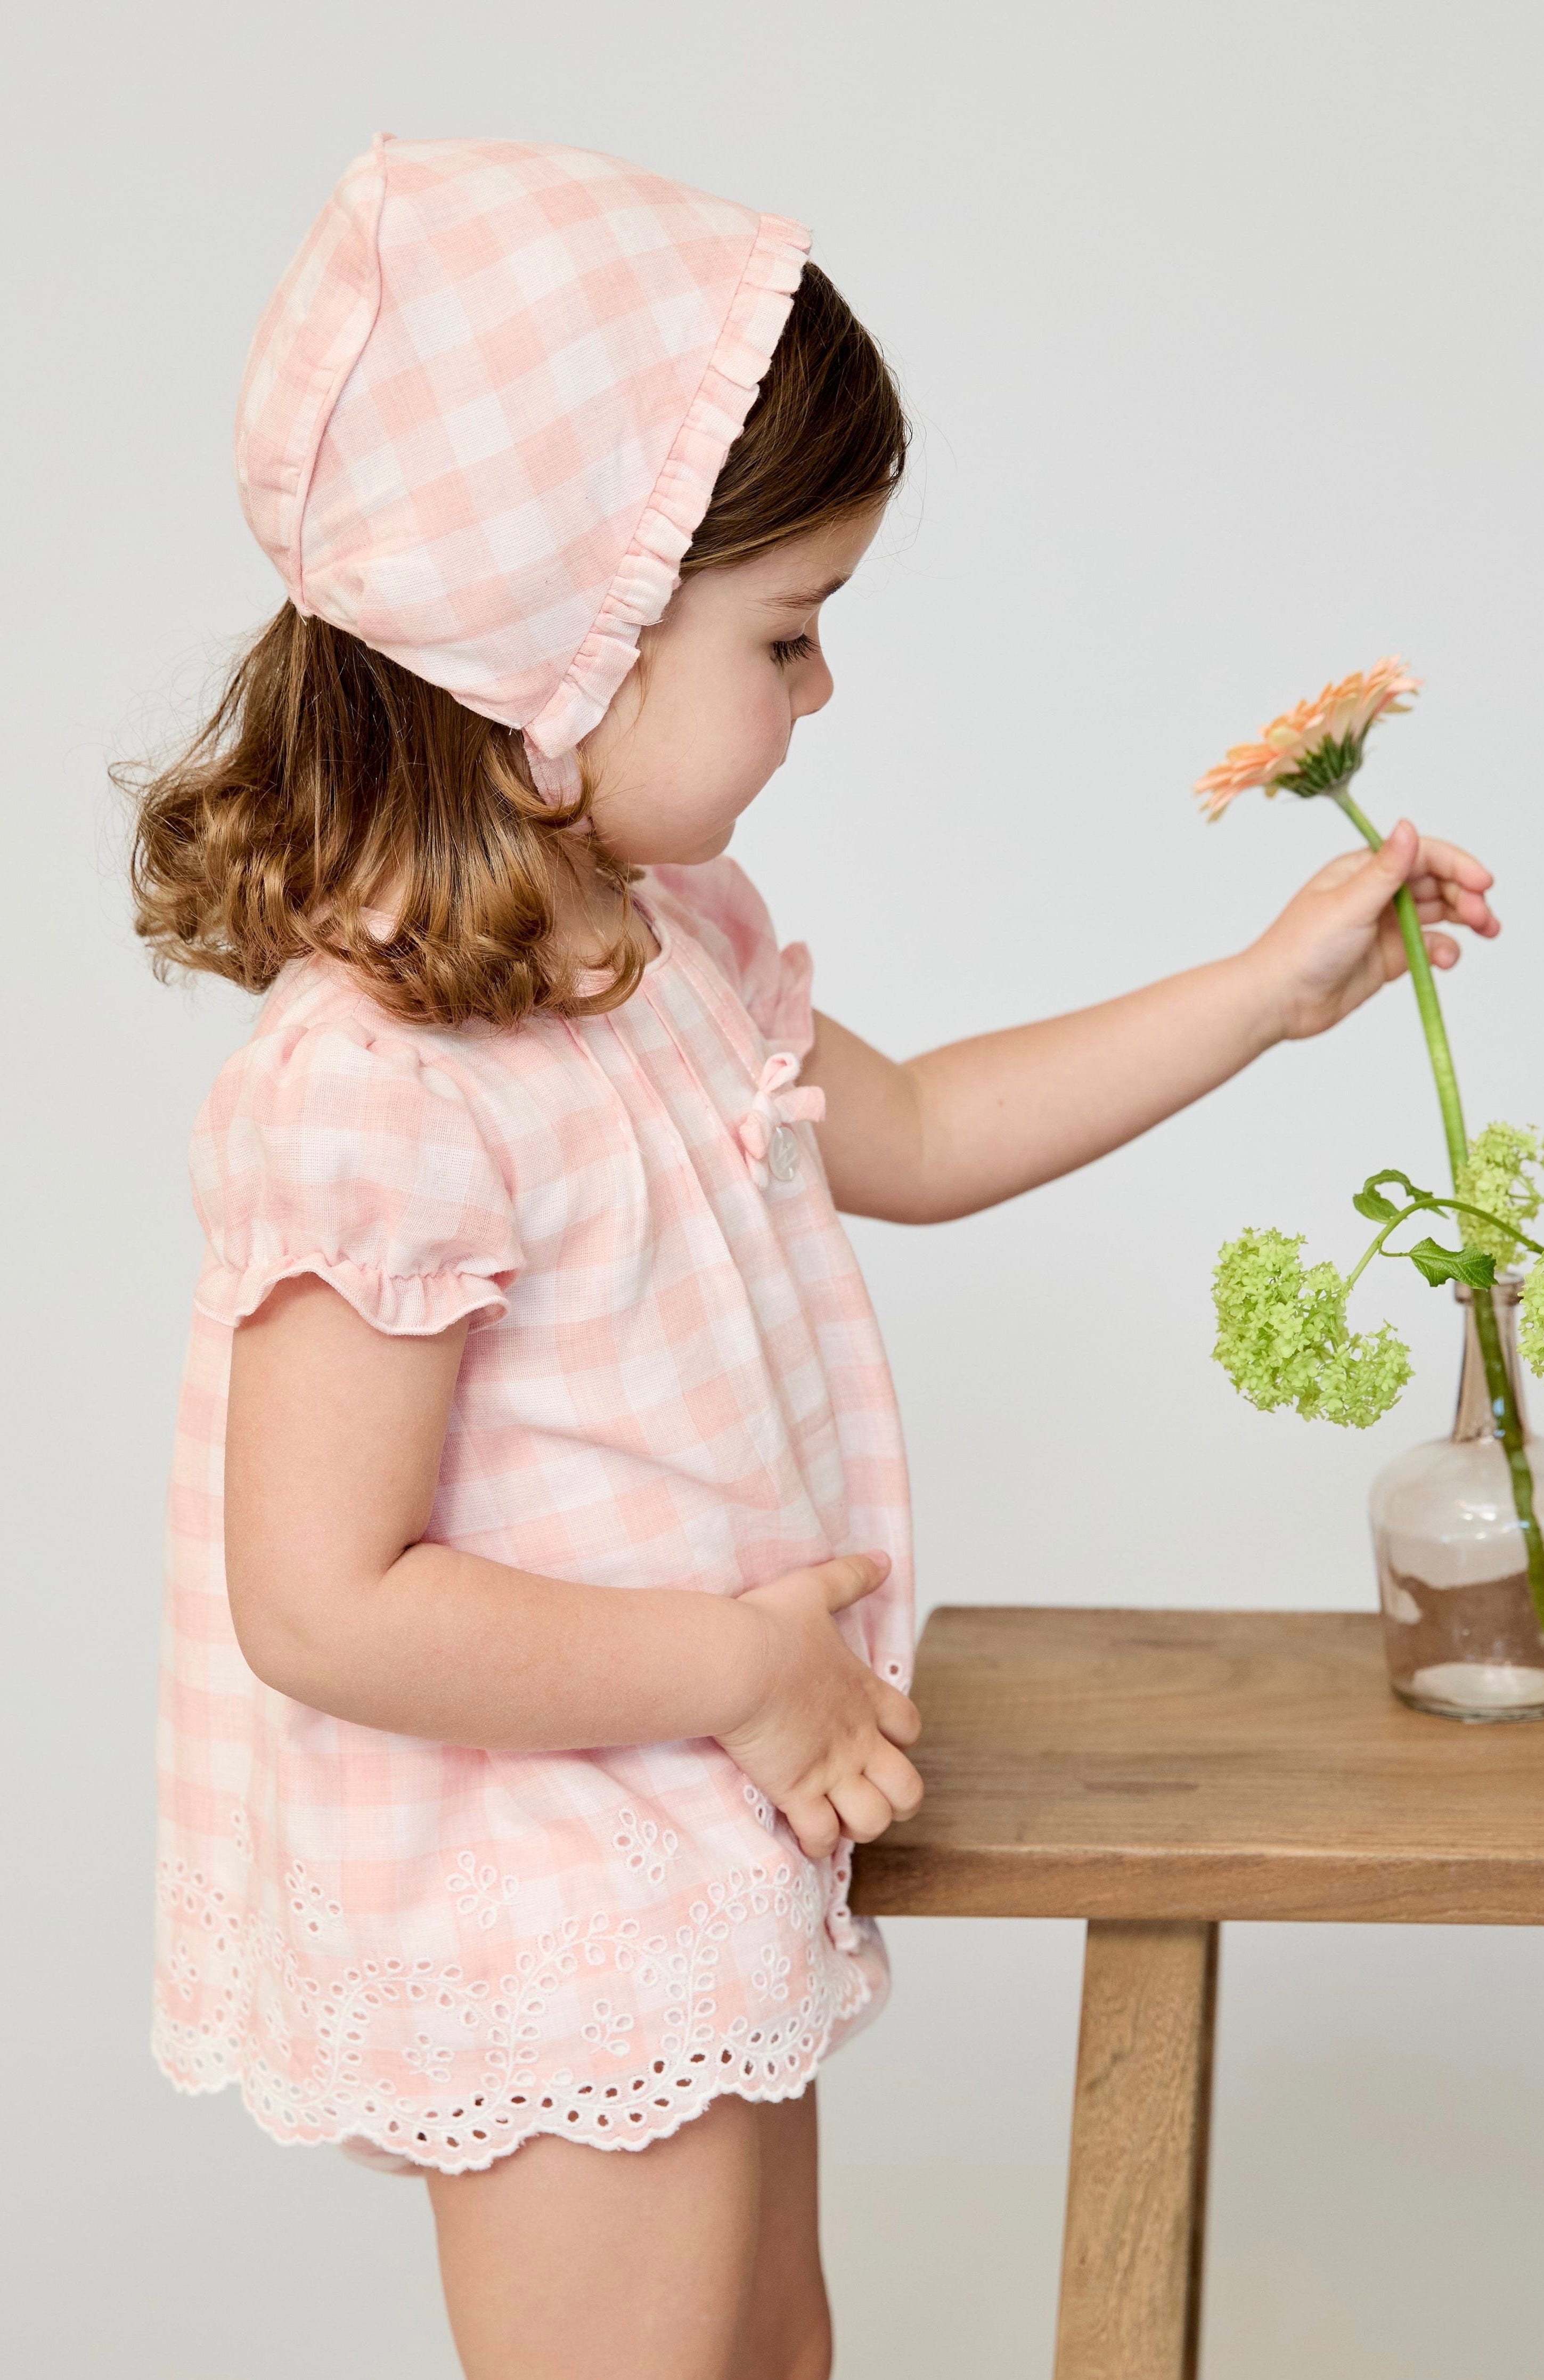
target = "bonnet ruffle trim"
x: 647, y: 577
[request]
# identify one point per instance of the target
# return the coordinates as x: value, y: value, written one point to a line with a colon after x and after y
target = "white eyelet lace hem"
x: 492, y: 2089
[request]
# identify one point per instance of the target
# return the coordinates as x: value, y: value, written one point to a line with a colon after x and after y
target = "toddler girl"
x: 539, y: 1610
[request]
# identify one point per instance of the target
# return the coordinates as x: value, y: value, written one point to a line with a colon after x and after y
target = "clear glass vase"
x: 1459, y: 1626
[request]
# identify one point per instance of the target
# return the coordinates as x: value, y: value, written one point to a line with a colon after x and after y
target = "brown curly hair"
x: 327, y: 770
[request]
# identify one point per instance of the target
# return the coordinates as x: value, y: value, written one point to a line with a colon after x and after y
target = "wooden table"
x: 1157, y: 1772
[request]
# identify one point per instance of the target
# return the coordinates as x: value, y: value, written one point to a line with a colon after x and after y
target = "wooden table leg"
x: 1130, y: 2263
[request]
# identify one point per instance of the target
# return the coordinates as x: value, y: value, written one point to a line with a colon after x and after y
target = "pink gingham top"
x: 673, y: 1376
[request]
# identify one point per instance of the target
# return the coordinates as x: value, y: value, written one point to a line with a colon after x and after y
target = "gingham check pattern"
x: 485, y: 408
x: 673, y: 1378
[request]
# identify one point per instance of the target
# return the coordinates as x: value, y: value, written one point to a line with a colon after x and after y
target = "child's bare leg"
x: 786, y: 2333
x: 568, y: 2262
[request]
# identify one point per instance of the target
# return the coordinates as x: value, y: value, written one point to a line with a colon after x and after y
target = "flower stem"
x: 1421, y: 1206
x: 1433, y: 1207
x: 1426, y: 997
x: 1462, y: 1207
x: 1504, y: 1404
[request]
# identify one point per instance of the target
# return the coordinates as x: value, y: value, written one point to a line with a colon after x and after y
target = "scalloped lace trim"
x: 495, y: 2089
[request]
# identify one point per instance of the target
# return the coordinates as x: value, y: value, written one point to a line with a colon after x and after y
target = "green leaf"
x: 1375, y: 1207
x: 1441, y: 1264
x: 1375, y: 1181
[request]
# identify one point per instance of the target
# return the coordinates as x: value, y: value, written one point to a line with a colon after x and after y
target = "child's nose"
x: 813, y: 687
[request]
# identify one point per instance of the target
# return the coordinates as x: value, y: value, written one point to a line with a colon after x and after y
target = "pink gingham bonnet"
x: 484, y: 411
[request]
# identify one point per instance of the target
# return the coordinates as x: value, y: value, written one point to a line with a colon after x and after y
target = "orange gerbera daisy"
x: 1317, y: 747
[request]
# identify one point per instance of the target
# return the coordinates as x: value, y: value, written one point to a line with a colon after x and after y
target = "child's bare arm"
x: 334, y: 1441
x: 965, y: 1127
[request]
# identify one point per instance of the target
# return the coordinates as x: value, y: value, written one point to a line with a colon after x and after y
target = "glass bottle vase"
x: 1459, y: 1627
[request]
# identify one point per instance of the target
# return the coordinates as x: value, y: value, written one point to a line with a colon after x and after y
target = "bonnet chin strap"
x: 557, y: 780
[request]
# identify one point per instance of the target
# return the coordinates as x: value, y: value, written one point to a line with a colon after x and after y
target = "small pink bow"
x: 764, y: 1133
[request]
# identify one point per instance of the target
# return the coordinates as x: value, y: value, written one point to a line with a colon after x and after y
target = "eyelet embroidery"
x: 650, y: 1847
x: 481, y: 1893
x: 479, y: 2050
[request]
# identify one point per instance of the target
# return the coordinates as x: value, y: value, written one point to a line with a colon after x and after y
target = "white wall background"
x: 1222, y: 325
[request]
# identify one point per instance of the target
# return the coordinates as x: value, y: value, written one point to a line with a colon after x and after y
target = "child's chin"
x: 687, y: 854
x: 677, y: 837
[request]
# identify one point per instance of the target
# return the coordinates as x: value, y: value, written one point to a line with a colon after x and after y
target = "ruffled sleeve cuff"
x: 359, y: 1157
x: 402, y: 1306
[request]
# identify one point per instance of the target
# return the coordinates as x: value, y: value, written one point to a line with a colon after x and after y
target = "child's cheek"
x: 762, y: 729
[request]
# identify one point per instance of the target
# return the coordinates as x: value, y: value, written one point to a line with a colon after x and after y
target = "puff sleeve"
x: 734, y: 923
x: 358, y: 1158
x: 777, y: 993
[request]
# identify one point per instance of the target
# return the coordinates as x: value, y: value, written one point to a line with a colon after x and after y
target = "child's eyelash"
x: 794, y: 648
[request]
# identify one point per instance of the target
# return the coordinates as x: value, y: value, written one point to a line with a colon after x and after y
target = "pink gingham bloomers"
x: 673, y: 1378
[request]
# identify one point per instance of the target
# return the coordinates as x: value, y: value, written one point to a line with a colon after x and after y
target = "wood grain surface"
x: 1131, y: 2258
x: 1100, y: 1763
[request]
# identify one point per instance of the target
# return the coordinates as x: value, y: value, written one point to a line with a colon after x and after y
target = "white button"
x: 782, y: 1157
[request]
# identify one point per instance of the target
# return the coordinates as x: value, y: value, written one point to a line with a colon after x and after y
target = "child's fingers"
x: 815, y: 1823
x: 1444, y: 897
x: 1442, y: 872
x: 896, y: 1779
x: 1367, y: 891
x: 1440, y: 949
x: 897, y: 1715
x: 850, y: 1577
x: 1444, y: 883
x: 1440, y: 858
x: 862, y: 1808
x: 1469, y: 910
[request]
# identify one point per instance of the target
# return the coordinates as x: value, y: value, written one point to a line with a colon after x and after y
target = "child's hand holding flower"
x: 1338, y: 941
x: 1282, y: 1335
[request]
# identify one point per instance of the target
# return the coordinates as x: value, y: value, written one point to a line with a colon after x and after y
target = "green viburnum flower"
x: 1531, y: 1329
x: 1497, y: 1178
x: 1283, y: 1338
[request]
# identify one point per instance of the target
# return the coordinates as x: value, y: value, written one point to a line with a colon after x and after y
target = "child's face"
x: 705, y: 718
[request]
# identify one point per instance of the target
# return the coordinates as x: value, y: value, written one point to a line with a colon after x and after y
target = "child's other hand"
x: 820, y: 1733
x: 1338, y: 941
